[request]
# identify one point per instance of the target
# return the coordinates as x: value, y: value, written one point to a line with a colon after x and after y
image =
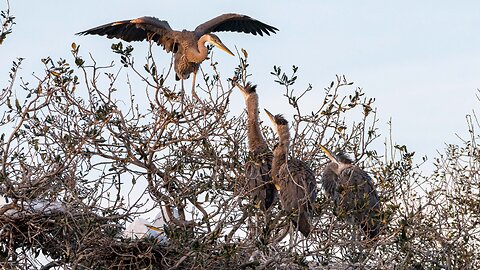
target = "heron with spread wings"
x: 188, y: 47
x: 352, y: 192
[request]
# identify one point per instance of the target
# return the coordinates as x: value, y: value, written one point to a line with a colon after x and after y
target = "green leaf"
x: 17, y: 105
x: 79, y: 61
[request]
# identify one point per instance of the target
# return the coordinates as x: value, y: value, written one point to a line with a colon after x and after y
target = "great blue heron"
x: 294, y: 179
x: 188, y: 46
x: 352, y: 192
x: 257, y: 169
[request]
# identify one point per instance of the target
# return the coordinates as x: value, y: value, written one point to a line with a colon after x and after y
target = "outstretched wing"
x: 235, y: 23
x: 143, y: 28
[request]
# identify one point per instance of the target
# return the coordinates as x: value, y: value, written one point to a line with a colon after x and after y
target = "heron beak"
x: 329, y: 154
x: 242, y: 90
x: 272, y: 118
x: 153, y: 228
x: 222, y: 47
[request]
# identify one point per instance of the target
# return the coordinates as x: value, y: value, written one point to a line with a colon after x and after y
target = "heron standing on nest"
x: 293, y: 178
x: 352, y: 192
x: 188, y: 47
x: 257, y: 169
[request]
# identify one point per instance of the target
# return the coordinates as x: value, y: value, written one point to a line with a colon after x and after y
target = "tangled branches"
x: 80, y: 159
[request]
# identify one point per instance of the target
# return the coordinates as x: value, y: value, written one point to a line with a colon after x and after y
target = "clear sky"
x: 419, y: 59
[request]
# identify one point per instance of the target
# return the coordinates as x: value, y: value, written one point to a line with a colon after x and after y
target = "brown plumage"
x: 293, y: 178
x: 188, y: 46
x: 257, y: 168
x: 352, y: 192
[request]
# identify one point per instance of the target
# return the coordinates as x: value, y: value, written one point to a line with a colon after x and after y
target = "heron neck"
x: 200, y: 54
x: 342, y: 166
x: 254, y: 133
x: 280, y: 153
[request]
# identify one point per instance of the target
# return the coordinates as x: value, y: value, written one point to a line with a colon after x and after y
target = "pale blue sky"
x: 420, y: 60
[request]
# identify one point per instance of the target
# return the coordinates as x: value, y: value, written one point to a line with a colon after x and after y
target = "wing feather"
x: 259, y: 184
x: 143, y: 28
x: 302, y: 189
x: 235, y: 23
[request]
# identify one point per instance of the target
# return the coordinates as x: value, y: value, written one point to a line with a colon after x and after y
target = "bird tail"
x: 303, y: 224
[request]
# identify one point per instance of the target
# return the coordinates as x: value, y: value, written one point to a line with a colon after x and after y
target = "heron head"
x: 330, y: 155
x: 277, y: 120
x: 247, y: 90
x: 342, y: 157
x: 340, y: 161
x: 215, y: 41
x: 280, y: 124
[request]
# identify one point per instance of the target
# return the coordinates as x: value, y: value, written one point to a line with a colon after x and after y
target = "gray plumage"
x: 257, y: 168
x: 352, y: 192
x: 294, y: 180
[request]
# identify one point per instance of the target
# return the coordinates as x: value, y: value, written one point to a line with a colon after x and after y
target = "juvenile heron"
x: 188, y: 47
x: 293, y: 178
x: 257, y: 169
x: 352, y: 192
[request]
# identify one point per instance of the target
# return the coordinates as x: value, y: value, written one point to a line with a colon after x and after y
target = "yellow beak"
x: 242, y: 90
x: 272, y: 118
x: 153, y: 228
x: 329, y: 154
x: 222, y: 47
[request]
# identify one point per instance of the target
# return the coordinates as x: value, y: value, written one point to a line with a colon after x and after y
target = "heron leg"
x: 292, y: 236
x: 182, y: 96
x: 194, y: 94
x: 253, y: 226
x: 356, y: 248
x: 267, y: 220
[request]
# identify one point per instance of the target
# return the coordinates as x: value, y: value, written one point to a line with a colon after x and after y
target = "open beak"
x: 329, y: 154
x: 272, y: 118
x: 222, y: 47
